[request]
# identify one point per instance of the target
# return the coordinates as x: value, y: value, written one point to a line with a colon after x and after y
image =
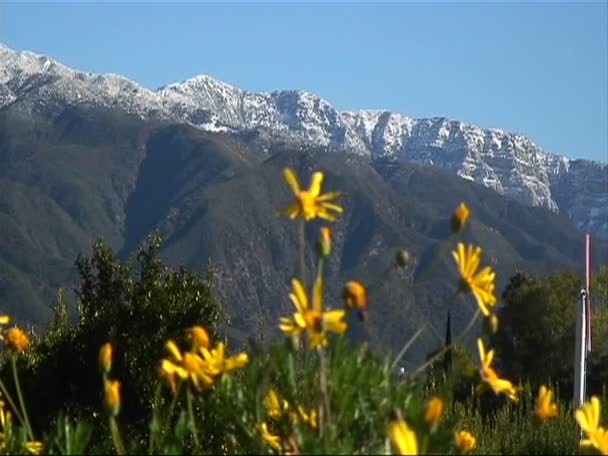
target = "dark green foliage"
x: 536, y: 338
x: 363, y: 390
x: 70, y: 437
x: 135, y: 305
x: 512, y: 428
x: 69, y: 174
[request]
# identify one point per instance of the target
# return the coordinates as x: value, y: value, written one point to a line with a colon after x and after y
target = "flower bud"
x: 105, y: 357
x: 493, y: 323
x: 403, y: 258
x: 324, y: 242
x: 460, y: 216
x: 355, y: 297
x: 464, y: 441
x: 199, y: 337
x: 15, y: 339
x: 433, y: 411
x: 112, y: 396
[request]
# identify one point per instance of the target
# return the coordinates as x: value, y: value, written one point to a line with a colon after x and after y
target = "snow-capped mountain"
x: 511, y: 164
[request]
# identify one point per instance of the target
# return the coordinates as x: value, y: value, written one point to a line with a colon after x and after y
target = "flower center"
x: 191, y: 362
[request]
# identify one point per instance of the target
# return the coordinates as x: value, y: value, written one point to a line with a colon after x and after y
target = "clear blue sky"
x: 535, y: 68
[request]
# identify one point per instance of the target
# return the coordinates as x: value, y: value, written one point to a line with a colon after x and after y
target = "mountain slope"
x: 75, y: 172
x: 510, y: 164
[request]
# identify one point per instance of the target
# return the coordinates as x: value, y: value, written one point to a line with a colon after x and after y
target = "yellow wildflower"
x: 31, y: 446
x: 464, y: 441
x: 312, y: 318
x: 460, y: 216
x: 199, y: 337
x: 4, y: 319
x: 15, y: 339
x: 112, y: 396
x: 545, y: 406
x: 271, y: 439
x: 601, y: 440
x: 489, y: 375
x: 310, y: 203
x: 481, y: 283
x: 433, y: 411
x: 34, y: 447
x: 403, y: 437
x: 274, y: 405
x: 588, y: 418
x: 5, y: 420
x: 324, y: 242
x: 187, y: 366
x: 105, y: 357
x: 219, y: 363
x: 309, y: 418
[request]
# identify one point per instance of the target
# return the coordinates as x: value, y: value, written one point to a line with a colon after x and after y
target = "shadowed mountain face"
x: 69, y: 175
x: 509, y: 163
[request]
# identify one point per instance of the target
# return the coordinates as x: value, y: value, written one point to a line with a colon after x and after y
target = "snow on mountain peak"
x: 509, y: 163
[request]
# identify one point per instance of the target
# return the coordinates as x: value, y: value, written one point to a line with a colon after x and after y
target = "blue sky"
x: 540, y: 69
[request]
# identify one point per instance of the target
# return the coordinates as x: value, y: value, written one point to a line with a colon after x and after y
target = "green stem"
x: 10, y: 401
x: 154, y: 432
x: 116, y: 438
x: 20, y: 397
x: 172, y: 406
x: 425, y: 444
x: 445, y: 245
x: 325, y: 418
x: 448, y: 347
x: 407, y: 345
x: 292, y: 372
x: 320, y: 268
x: 193, y: 429
x: 302, y: 242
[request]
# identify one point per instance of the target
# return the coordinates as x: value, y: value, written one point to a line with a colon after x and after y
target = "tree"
x: 536, y: 336
x: 135, y: 305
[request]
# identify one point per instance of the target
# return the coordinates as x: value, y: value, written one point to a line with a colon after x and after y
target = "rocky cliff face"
x: 510, y: 164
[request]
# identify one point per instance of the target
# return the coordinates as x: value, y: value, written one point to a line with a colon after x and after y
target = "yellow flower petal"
x: 271, y: 439
x: 173, y: 350
x: 292, y: 180
x: 315, y: 184
x: 588, y: 415
x: 545, y: 406
x: 403, y: 437
x: 333, y: 320
x: 298, y: 297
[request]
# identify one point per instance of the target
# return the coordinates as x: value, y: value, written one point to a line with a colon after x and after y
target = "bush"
x: 135, y: 305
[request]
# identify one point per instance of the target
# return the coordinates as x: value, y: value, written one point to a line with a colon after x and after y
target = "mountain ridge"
x: 509, y: 163
x: 71, y: 173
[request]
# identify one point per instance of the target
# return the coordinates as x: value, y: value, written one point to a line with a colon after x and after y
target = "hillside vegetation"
x: 69, y: 175
x: 145, y: 366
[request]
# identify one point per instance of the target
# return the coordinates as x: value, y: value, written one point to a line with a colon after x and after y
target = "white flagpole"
x: 587, y: 289
x: 580, y: 351
x: 583, y: 333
